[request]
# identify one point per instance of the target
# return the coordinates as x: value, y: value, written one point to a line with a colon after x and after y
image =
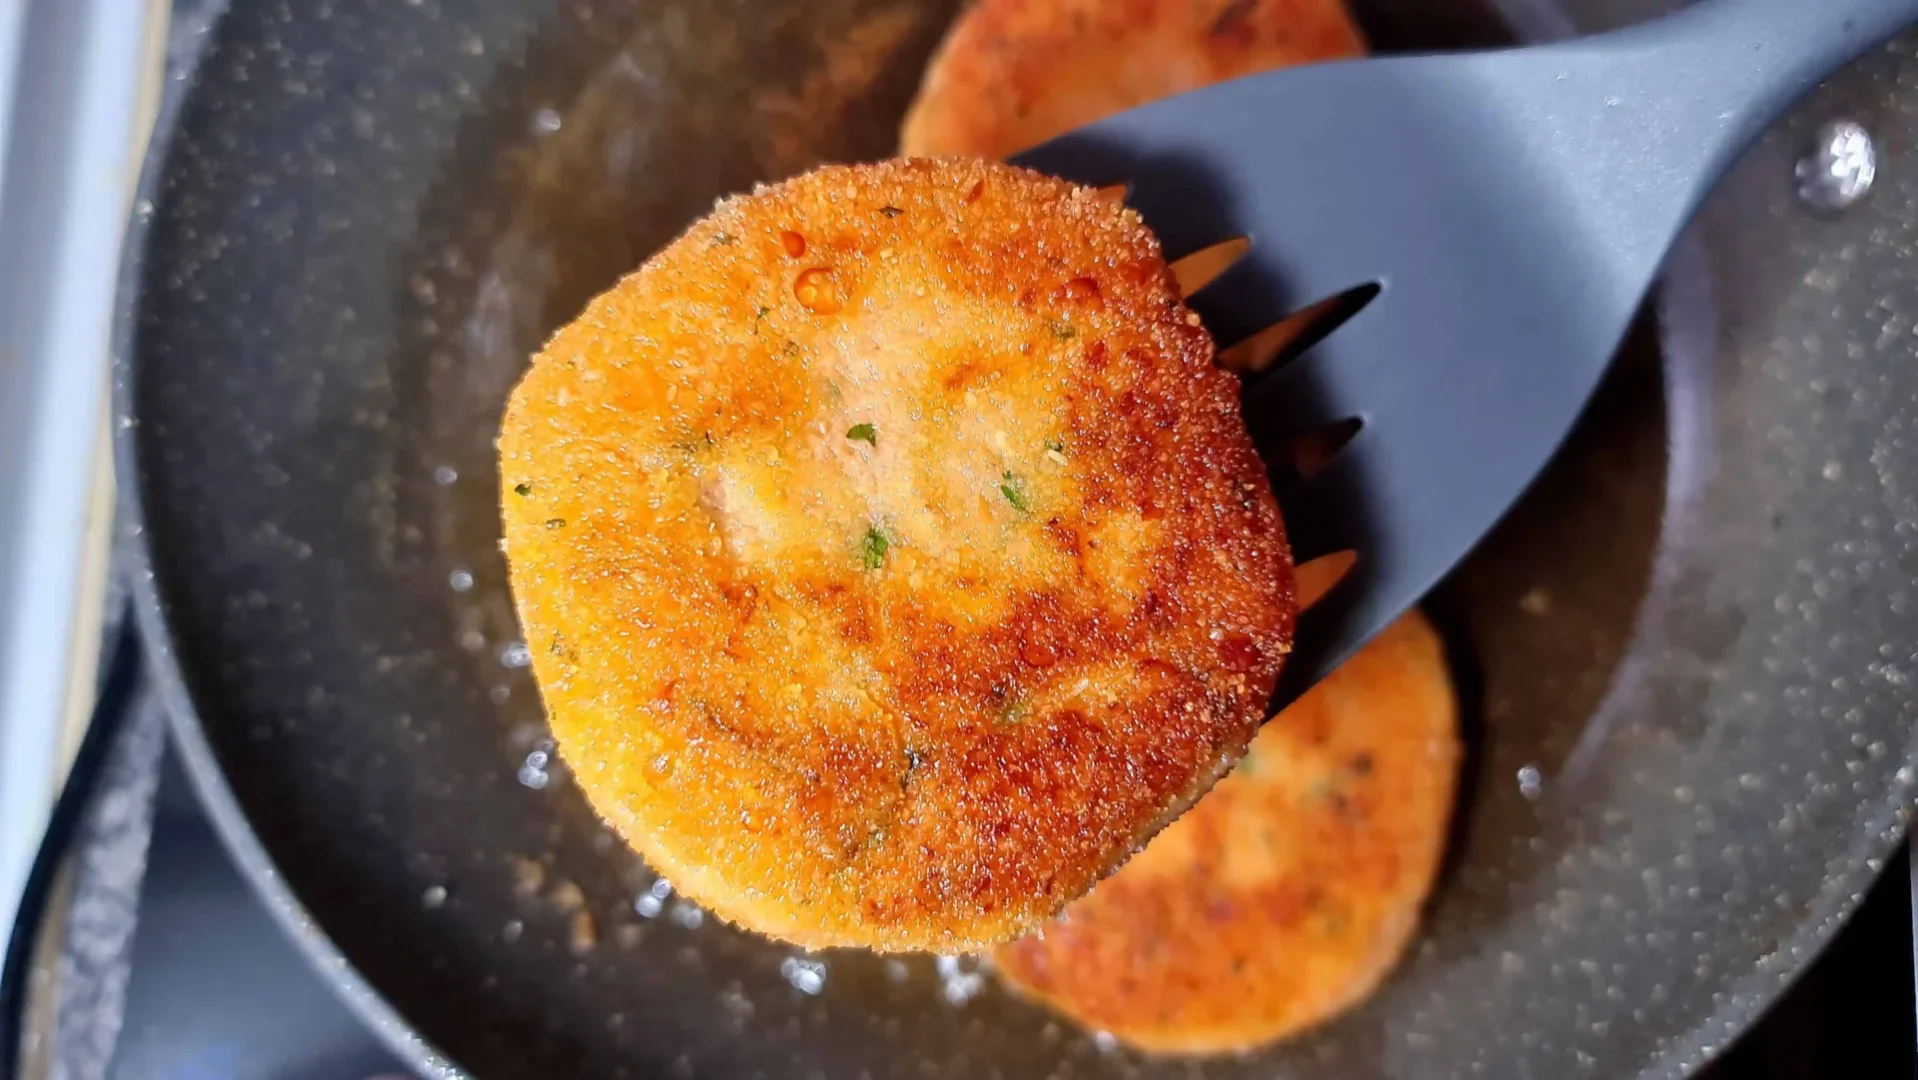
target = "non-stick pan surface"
x: 1687, y: 656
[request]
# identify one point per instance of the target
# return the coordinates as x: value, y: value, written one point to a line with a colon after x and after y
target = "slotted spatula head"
x: 1485, y: 223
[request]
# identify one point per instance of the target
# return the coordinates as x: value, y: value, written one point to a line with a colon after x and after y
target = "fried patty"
x: 892, y: 555
x: 1288, y: 892
x: 1014, y: 73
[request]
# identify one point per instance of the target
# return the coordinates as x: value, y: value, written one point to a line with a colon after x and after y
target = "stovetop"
x: 216, y: 990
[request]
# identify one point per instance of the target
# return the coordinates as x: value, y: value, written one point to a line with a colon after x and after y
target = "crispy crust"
x: 1014, y: 73
x: 1288, y: 892
x: 1076, y: 616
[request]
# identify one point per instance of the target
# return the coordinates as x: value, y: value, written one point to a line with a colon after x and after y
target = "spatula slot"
x: 1203, y: 267
x: 1307, y: 455
x: 1271, y: 348
x: 1314, y: 578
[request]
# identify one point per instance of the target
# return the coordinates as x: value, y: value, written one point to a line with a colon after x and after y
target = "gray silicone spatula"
x: 1510, y: 208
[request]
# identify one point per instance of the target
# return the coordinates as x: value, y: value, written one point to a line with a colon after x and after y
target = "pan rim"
x: 135, y: 560
x: 1752, y: 994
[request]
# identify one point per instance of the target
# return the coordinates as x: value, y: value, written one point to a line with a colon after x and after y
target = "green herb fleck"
x: 759, y: 317
x: 724, y: 238
x: 556, y: 523
x: 1015, y: 493
x: 1063, y: 331
x: 1333, y: 923
x: 1008, y: 705
x: 791, y: 349
x: 1326, y: 791
x: 891, y: 211
x: 865, y: 433
x: 522, y: 488
x: 872, y: 550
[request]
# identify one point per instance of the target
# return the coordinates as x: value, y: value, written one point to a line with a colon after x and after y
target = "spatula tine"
x: 1185, y: 219
x: 1284, y: 404
x: 1201, y: 268
x: 1324, y: 514
x: 1327, y: 634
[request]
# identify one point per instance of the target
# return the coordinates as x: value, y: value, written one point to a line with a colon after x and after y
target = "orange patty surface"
x: 892, y: 555
x: 1014, y: 73
x: 1288, y: 892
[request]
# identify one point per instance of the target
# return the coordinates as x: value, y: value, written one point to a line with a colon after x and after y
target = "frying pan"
x: 1686, y: 657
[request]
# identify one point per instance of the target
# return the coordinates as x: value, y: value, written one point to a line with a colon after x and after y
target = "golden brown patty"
x: 893, y: 557
x: 1288, y: 892
x: 1014, y: 73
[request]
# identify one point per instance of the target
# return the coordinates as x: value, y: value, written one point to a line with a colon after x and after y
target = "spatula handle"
x: 1728, y: 68
x: 1636, y: 125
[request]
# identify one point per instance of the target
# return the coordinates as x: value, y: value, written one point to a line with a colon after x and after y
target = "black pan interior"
x: 1686, y: 654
